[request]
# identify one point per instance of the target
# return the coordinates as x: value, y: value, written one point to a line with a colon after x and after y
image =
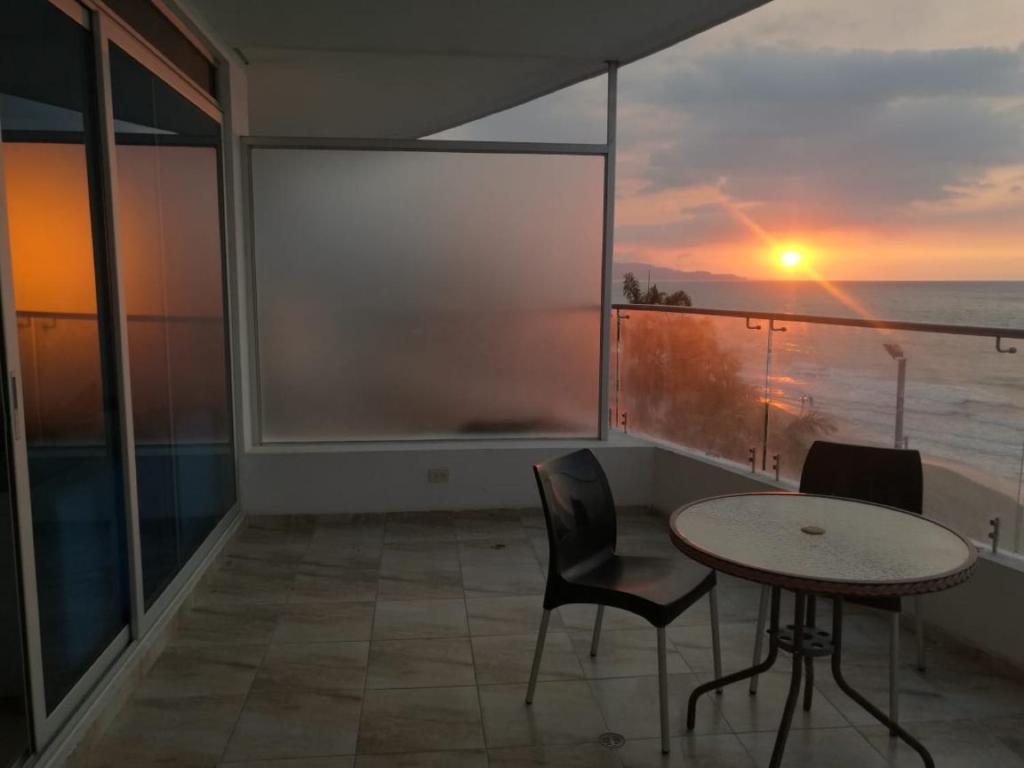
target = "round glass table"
x: 818, y: 547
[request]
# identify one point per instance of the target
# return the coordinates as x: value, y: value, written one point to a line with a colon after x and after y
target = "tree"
x: 631, y: 290
x: 681, y: 383
x: 653, y: 295
x: 679, y: 299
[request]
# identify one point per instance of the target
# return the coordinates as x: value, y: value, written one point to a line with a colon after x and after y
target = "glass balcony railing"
x: 757, y: 389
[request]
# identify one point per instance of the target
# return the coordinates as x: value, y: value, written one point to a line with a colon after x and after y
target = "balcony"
x: 291, y: 301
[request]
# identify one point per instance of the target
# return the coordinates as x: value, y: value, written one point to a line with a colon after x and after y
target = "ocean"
x: 964, y: 401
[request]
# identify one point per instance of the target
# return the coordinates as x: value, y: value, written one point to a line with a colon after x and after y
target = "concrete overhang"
x: 410, y: 68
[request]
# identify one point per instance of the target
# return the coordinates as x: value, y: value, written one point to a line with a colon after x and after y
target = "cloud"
x: 849, y: 137
x: 798, y: 76
x: 911, y: 146
x: 693, y: 227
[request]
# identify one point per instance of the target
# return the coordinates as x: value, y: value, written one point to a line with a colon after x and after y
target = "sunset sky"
x: 881, y: 140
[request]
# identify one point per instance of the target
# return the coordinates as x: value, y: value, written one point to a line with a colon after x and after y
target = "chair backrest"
x: 890, y: 476
x: 578, y: 509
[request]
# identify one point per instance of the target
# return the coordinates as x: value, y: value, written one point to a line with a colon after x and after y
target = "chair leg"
x: 663, y: 690
x: 762, y: 616
x: 809, y: 660
x: 597, y: 630
x: 537, y: 654
x: 716, y: 637
x: 894, y: 670
x: 922, y: 661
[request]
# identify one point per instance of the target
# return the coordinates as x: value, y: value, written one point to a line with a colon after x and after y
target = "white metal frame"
x: 110, y: 29
x: 108, y: 173
x: 230, y: 170
x: 249, y: 303
x: 125, y: 37
x: 106, y: 28
x: 608, y: 253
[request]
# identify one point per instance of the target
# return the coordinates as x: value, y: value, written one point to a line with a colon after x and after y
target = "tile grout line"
x: 252, y: 684
x: 369, y: 648
x: 366, y: 670
x: 472, y: 653
x: 266, y: 651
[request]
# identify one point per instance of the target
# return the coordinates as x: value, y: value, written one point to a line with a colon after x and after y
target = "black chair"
x: 584, y: 568
x: 889, y: 476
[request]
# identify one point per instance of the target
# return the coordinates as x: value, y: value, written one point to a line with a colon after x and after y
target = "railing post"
x: 767, y: 397
x: 619, y: 317
x: 996, y: 524
x: 1019, y: 521
x: 901, y: 388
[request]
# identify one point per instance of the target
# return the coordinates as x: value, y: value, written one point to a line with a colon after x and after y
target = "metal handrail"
x: 854, y: 322
x: 32, y: 314
x: 897, y: 325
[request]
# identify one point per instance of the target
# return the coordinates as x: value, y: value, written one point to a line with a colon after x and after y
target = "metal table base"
x: 805, y: 642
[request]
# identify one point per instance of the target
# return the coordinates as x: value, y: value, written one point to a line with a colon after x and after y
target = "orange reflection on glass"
x: 54, y: 290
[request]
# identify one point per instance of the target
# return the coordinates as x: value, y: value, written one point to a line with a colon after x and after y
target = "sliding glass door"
x: 14, y: 707
x: 119, y: 392
x: 48, y: 128
x: 170, y: 252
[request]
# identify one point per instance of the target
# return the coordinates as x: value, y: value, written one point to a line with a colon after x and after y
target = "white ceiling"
x: 408, y: 68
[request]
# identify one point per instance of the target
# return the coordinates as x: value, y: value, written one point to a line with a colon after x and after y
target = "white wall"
x: 984, y: 613
x: 391, y: 477
x: 372, y: 95
x: 681, y: 478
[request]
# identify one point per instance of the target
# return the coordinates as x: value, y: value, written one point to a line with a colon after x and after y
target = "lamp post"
x: 896, y: 353
x: 619, y: 317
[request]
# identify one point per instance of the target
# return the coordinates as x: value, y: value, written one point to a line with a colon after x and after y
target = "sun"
x: 790, y: 259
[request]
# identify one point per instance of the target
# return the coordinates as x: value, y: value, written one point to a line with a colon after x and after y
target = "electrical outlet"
x: 437, y: 475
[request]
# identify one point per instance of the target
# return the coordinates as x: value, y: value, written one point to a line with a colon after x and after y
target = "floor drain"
x: 611, y: 740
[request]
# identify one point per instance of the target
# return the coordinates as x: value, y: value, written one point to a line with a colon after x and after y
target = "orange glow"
x: 171, y: 268
x: 50, y: 228
x: 790, y: 259
x: 797, y: 259
x: 937, y: 248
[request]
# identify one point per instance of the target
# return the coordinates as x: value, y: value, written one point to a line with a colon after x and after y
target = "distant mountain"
x: 641, y: 270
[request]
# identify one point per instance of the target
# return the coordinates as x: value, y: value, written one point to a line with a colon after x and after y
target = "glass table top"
x: 833, y: 544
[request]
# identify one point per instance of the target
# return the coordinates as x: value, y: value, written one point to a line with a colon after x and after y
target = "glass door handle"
x: 15, y: 408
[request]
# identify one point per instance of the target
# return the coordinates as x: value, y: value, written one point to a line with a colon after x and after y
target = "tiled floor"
x: 406, y: 640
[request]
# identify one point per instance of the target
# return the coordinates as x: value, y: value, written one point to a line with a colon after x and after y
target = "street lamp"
x: 896, y: 353
x: 619, y: 317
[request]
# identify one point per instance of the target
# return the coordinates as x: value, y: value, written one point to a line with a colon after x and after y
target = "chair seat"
x: 656, y: 588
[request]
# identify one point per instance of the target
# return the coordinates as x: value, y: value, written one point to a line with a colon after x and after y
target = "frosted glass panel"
x: 426, y: 294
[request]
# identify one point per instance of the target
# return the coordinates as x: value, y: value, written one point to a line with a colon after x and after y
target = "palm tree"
x: 631, y: 290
